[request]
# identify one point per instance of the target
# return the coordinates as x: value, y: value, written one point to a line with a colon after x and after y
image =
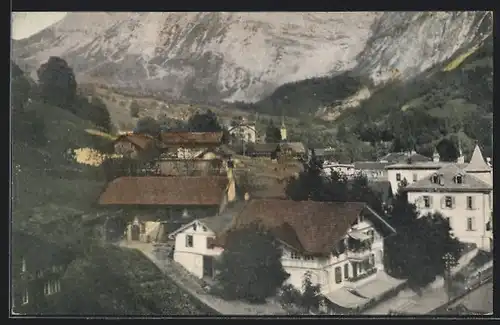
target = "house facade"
x: 339, y: 244
x: 136, y: 146
x: 36, y: 269
x: 245, y: 131
x: 373, y: 170
x: 465, y: 199
x: 345, y: 169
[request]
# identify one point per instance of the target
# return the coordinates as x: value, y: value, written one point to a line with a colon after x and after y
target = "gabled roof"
x: 447, y: 175
x: 370, y: 165
x: 142, y: 141
x: 308, y: 226
x: 297, y: 147
x: 400, y: 157
x: 190, y: 138
x: 477, y: 163
x: 219, y: 222
x: 172, y: 190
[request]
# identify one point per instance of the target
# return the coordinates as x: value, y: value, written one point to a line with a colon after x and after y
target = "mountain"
x: 236, y: 56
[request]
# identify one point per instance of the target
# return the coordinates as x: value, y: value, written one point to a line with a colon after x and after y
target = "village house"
x: 464, y: 198
x: 373, y: 170
x: 136, y: 146
x: 156, y: 205
x: 36, y: 267
x: 340, y: 244
x: 186, y: 145
x: 345, y: 169
x: 402, y: 157
x: 244, y: 131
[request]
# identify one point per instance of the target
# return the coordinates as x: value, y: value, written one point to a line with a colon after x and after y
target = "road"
x: 480, y: 299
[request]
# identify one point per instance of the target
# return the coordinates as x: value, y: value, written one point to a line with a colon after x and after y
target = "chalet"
x: 244, y: 131
x: 293, y: 149
x: 340, y: 244
x: 36, y: 269
x: 155, y: 202
x: 139, y: 146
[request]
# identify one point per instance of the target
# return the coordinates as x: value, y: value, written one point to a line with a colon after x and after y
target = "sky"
x: 25, y: 24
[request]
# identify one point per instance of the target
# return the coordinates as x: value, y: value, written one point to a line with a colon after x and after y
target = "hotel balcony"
x: 359, y: 255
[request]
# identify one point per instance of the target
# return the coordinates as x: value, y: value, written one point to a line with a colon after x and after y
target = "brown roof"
x: 183, y: 190
x: 190, y: 138
x: 142, y: 141
x: 308, y: 226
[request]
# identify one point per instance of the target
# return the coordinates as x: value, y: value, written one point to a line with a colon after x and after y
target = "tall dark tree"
x: 57, y: 82
x: 447, y: 150
x: 417, y: 250
x: 310, y: 184
x: 20, y: 88
x: 250, y: 266
x: 204, y: 122
x: 148, y: 125
x: 134, y: 109
x: 273, y: 133
x: 99, y: 114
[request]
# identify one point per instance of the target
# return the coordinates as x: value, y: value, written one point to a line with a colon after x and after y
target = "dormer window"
x: 194, y: 226
x: 459, y: 179
x: 435, y: 179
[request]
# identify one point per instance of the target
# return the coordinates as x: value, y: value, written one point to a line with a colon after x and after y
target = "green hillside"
x: 51, y: 196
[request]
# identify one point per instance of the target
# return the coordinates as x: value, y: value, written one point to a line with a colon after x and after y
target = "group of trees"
x: 198, y: 122
x: 273, y: 133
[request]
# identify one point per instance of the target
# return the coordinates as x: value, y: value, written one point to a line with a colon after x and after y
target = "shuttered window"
x: 471, y: 224
x: 338, y: 274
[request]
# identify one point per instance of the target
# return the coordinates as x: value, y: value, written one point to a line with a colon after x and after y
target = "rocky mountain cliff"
x: 246, y: 56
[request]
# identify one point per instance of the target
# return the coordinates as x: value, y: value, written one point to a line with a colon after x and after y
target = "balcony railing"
x: 358, y: 255
x: 363, y: 275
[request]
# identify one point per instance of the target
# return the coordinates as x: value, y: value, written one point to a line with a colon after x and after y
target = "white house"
x: 346, y: 169
x: 415, y: 171
x: 244, y: 131
x: 339, y: 244
x: 463, y: 197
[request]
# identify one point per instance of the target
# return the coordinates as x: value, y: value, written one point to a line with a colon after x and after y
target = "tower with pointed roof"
x: 478, y: 167
x: 283, y: 129
x: 460, y: 158
x: 435, y: 156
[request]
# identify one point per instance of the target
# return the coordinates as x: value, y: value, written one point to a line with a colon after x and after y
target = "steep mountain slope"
x: 212, y: 55
x: 245, y: 56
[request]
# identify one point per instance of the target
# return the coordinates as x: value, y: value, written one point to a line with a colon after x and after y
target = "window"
x: 470, y: 224
x: 308, y: 258
x: 371, y: 259
x: 295, y: 256
x: 427, y: 201
x: 470, y: 203
x: 415, y: 177
x: 189, y: 241
x: 459, y: 179
x: 204, y: 228
x: 210, y: 242
x: 39, y: 273
x: 435, y: 179
x: 25, y: 296
x: 371, y: 234
x: 346, y: 271
x: 52, y: 286
x: 23, y: 265
x: 338, y: 274
x: 194, y: 226
x: 398, y: 177
x: 448, y: 202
